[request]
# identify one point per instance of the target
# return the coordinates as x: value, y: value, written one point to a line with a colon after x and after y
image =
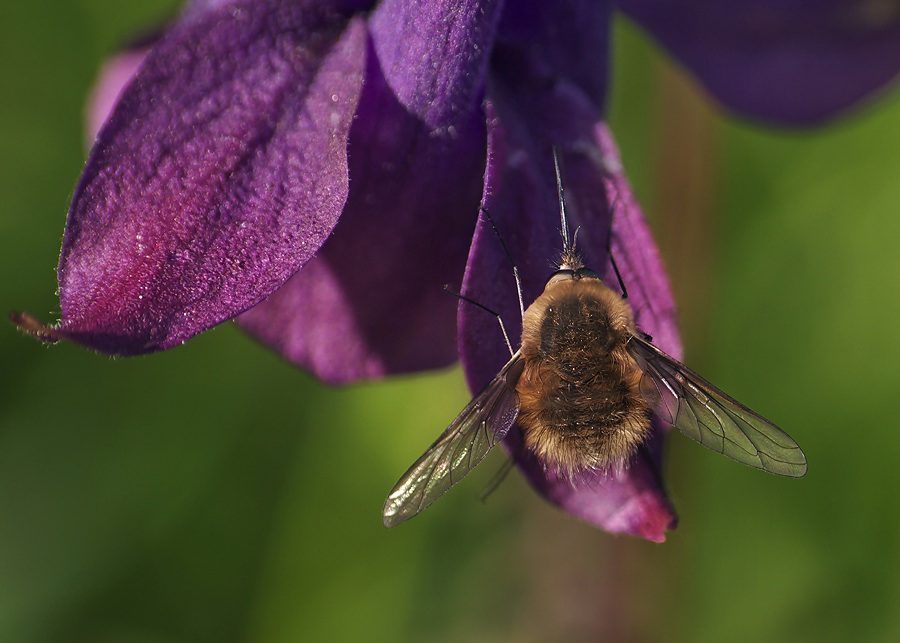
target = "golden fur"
x: 580, y: 403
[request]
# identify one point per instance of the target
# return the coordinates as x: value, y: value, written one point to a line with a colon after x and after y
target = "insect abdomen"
x: 580, y: 406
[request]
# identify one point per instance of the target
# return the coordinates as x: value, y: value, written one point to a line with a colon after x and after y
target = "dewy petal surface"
x: 372, y: 301
x: 220, y: 173
x: 533, y: 108
x: 785, y: 61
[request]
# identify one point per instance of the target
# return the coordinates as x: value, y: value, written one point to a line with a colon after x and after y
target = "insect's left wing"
x: 702, y: 412
x: 480, y: 426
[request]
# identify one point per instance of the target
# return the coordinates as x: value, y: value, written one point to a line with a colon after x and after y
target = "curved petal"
x: 628, y: 502
x: 371, y: 302
x: 561, y: 40
x: 786, y: 61
x: 529, y: 114
x: 112, y: 78
x: 121, y: 67
x: 221, y: 172
x: 435, y: 54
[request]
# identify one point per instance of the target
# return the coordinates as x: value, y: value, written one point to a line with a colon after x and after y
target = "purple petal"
x: 220, y: 173
x: 629, y: 502
x: 559, y: 40
x: 532, y: 110
x: 786, y: 61
x: 372, y: 301
x: 114, y: 75
x: 194, y: 9
x: 435, y: 54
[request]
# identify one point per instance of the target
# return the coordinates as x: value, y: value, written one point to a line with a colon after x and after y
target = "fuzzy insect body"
x: 580, y: 405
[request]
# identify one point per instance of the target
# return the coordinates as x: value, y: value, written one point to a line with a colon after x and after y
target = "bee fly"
x: 582, y: 388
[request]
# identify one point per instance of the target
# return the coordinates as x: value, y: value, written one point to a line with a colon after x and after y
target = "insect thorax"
x: 580, y: 406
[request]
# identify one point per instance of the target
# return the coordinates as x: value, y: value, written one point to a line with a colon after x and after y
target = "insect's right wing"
x: 480, y: 426
x: 717, y: 421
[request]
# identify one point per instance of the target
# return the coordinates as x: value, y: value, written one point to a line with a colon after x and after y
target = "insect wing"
x: 480, y: 426
x: 702, y: 412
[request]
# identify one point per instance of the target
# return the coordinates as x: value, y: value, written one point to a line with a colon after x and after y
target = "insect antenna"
x: 564, y: 223
x: 569, y: 257
x: 486, y: 309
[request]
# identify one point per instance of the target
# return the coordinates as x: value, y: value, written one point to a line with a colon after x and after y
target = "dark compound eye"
x: 586, y: 273
x: 560, y: 275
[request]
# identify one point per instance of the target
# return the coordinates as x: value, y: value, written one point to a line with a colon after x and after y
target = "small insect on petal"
x: 582, y: 389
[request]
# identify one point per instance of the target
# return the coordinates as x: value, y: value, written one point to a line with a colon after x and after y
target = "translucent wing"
x: 480, y: 426
x: 702, y: 412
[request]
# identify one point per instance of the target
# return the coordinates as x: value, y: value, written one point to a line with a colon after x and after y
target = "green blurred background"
x: 214, y: 494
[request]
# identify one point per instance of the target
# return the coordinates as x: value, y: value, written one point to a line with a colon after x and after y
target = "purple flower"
x: 314, y: 169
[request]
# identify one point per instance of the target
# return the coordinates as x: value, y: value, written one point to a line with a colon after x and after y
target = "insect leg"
x: 508, y: 256
x: 498, y: 478
x: 609, y: 252
x: 612, y: 260
x: 486, y: 309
